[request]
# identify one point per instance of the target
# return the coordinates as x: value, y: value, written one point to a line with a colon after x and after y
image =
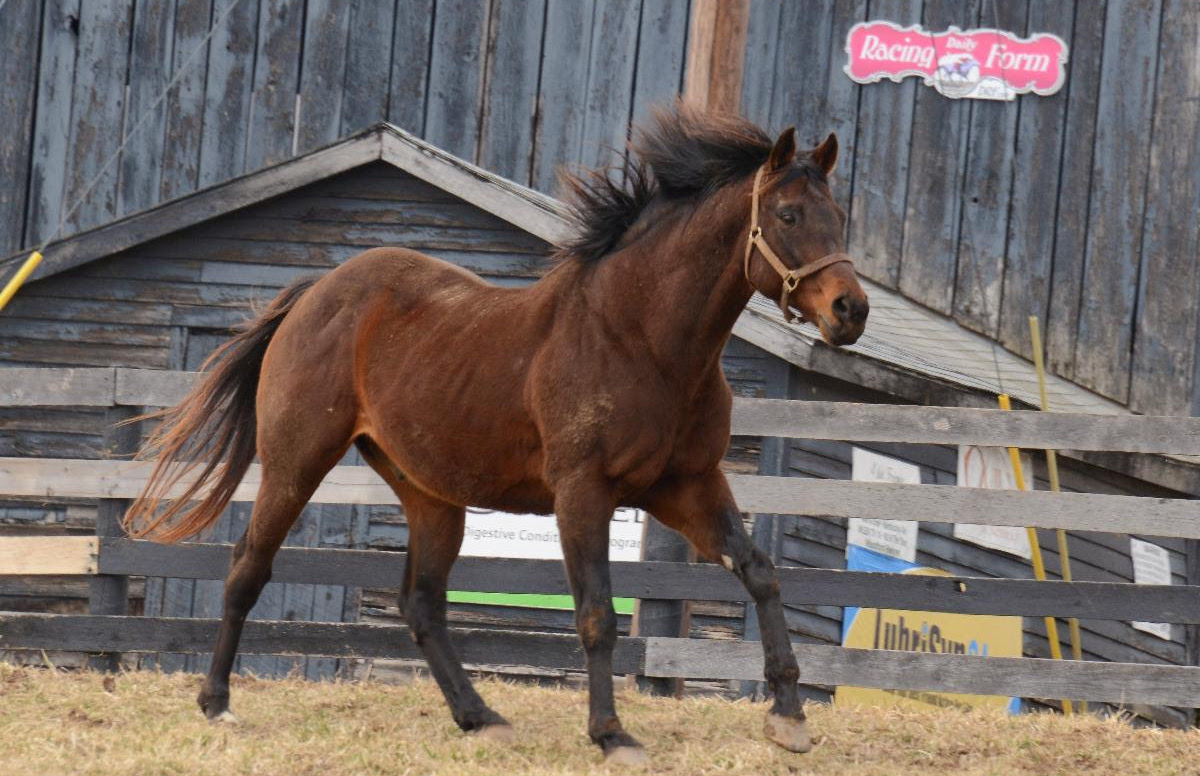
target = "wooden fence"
x: 113, y: 559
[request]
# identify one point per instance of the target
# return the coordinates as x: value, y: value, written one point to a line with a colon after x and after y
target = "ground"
x: 144, y: 724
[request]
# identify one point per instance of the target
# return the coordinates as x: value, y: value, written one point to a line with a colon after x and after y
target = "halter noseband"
x: 791, y: 277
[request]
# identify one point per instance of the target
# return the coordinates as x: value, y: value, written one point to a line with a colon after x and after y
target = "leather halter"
x: 791, y: 276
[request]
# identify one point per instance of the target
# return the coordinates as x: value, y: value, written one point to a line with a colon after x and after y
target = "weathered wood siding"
x: 1079, y: 207
x: 1067, y: 207
x: 518, y: 87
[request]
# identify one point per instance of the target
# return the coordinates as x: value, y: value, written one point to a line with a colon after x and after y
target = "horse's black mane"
x: 683, y: 153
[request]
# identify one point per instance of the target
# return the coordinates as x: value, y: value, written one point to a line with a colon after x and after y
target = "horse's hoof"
x: 503, y: 734
x: 788, y: 732
x: 627, y: 757
x: 224, y: 718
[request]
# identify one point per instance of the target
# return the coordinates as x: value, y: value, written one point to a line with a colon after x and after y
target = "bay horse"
x: 598, y: 386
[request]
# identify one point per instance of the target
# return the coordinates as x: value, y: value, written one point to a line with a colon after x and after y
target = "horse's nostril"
x: 841, y: 306
x: 849, y: 309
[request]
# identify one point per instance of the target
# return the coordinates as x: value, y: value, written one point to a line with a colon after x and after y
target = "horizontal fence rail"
x: 117, y: 386
x: 657, y: 657
x: 683, y: 581
x: 1180, y: 518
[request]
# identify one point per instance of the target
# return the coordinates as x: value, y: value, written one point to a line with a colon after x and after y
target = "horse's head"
x: 796, y: 252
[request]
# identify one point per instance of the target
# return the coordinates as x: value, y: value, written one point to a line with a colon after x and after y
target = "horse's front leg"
x: 703, y: 510
x: 584, y: 508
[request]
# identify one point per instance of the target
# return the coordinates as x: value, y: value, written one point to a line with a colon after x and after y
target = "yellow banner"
x: 933, y: 633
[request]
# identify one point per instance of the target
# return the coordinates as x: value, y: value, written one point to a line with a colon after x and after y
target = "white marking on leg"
x: 226, y: 718
x: 727, y: 562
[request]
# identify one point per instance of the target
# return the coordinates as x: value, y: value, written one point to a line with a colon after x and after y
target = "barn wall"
x: 1078, y: 208
x: 519, y: 87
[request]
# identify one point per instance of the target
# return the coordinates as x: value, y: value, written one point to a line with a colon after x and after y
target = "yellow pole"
x: 1064, y: 553
x: 24, y: 272
x: 1035, y: 550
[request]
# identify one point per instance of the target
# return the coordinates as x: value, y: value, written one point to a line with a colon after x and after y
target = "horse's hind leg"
x: 435, y: 533
x: 292, y: 470
x: 275, y: 510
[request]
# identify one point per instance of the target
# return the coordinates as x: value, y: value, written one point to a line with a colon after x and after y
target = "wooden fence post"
x: 1191, y: 637
x: 767, y: 532
x: 662, y: 617
x: 110, y: 594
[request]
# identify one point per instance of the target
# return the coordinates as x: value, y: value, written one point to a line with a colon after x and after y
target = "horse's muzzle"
x: 849, y: 318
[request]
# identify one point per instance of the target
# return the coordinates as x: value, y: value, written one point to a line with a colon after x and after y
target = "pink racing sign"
x: 979, y: 64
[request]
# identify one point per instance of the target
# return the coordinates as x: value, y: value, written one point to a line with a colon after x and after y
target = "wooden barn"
x: 266, y: 161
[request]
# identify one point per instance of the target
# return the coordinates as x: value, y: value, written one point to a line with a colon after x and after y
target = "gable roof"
x: 525, y: 208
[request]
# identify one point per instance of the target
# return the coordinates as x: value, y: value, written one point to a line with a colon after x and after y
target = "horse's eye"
x: 787, y: 216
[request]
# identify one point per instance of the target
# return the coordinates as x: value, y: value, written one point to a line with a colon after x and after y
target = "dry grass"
x: 146, y: 724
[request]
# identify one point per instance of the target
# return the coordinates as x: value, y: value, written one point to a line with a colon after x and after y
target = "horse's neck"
x: 679, y: 287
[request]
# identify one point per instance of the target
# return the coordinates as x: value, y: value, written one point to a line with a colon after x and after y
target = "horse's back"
x: 408, y: 276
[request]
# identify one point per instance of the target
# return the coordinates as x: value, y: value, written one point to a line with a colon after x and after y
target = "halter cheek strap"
x: 791, y: 276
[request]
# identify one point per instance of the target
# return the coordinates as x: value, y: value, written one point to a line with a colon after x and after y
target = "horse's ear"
x: 826, y: 154
x: 784, y: 151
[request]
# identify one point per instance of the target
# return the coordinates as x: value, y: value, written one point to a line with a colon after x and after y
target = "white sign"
x: 1151, y: 566
x: 897, y: 538
x: 991, y: 467
x: 503, y: 535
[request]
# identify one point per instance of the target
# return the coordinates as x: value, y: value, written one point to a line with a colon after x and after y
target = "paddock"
x: 141, y: 722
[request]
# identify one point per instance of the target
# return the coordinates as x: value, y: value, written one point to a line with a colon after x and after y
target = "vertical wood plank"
x: 180, y: 168
x: 564, y: 80
x: 661, y: 52
x: 1164, y: 345
x: 276, y: 77
x: 1074, y: 191
x: 935, y: 180
x: 326, y: 46
x: 151, y: 56
x: 802, y: 69
x: 610, y: 83
x: 716, y: 54
x: 986, y: 192
x: 329, y: 601
x: 410, y: 64
x: 19, y: 22
x: 881, y: 166
x: 227, y: 92
x: 510, y: 88
x: 456, y: 76
x: 99, y: 107
x: 1034, y: 196
x: 368, y: 49
x: 1115, y: 219
x: 52, y: 128
x: 109, y: 595
x: 840, y: 104
x: 298, y: 599
x: 758, y: 68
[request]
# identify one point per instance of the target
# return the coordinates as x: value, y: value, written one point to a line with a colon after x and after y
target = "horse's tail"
x: 214, y: 427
